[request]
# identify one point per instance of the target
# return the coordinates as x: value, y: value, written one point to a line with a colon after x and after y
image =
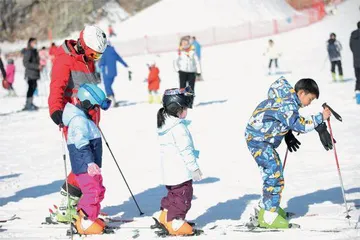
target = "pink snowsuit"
x: 44, y: 56
x: 10, y: 73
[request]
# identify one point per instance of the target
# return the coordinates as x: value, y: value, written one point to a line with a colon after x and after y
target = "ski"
x: 13, y: 217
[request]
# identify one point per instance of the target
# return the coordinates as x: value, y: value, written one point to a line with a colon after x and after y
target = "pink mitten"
x: 93, y: 169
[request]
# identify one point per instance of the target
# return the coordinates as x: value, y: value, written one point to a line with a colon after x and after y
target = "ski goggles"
x: 185, y: 91
x: 103, y: 103
x: 93, y: 54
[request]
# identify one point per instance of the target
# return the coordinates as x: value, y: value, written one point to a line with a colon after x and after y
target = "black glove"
x: 292, y: 143
x: 57, y: 117
x: 325, y: 137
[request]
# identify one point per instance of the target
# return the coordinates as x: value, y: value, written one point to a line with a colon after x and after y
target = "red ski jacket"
x: 153, y: 79
x: 69, y: 71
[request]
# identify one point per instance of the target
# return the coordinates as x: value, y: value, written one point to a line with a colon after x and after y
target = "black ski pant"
x: 338, y: 64
x: 32, y: 87
x: 275, y: 61
x: 357, y: 75
x: 187, y: 78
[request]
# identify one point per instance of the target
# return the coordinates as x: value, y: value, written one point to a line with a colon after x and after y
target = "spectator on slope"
x: 355, y: 48
x: 44, y: 57
x: 197, y: 46
x: 10, y: 77
x: 187, y: 63
x: 273, y: 53
x: 334, y: 48
x: 3, y: 72
x: 52, y: 52
x: 73, y: 66
x: 153, y: 83
x: 32, y: 65
x: 109, y: 71
x: 111, y: 31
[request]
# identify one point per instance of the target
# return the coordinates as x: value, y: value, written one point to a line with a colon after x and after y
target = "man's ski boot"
x: 85, y: 226
x: 64, y: 213
x: 268, y: 219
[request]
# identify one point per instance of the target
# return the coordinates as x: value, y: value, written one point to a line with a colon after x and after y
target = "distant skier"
x: 334, y: 48
x: 3, y: 72
x: 178, y: 159
x: 107, y: 64
x: 355, y: 48
x: 73, y: 66
x: 85, y: 151
x: 111, y: 31
x: 44, y: 58
x: 10, y: 77
x: 153, y: 83
x: 273, y: 119
x: 187, y: 63
x: 273, y: 53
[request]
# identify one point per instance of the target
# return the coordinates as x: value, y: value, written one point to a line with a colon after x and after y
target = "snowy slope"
x: 32, y: 167
x: 173, y: 16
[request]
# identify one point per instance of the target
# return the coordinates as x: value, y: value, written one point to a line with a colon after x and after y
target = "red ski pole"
x: 286, y: 154
x: 339, y: 172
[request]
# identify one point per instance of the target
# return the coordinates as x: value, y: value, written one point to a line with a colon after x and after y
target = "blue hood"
x: 70, y: 111
x: 282, y: 89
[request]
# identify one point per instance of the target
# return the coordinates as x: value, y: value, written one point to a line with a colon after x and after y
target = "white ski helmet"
x: 94, y: 41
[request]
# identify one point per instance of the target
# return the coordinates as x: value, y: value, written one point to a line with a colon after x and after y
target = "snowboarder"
x: 179, y: 161
x: 32, y: 65
x: 10, y: 76
x: 85, y: 151
x: 273, y: 119
x: 187, y: 63
x: 273, y: 53
x: 153, y: 83
x: 73, y: 66
x: 109, y: 70
x: 334, y: 48
x: 355, y: 48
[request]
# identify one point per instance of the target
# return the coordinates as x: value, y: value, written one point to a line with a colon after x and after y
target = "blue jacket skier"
x: 109, y: 71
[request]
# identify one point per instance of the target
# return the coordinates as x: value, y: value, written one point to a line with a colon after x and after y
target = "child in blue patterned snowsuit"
x: 272, y: 120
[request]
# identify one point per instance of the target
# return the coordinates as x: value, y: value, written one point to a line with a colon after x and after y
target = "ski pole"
x: 286, y: 154
x: 337, y: 160
x: 66, y: 178
x: 132, y: 195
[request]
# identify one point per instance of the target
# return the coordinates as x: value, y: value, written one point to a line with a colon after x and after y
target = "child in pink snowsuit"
x: 10, y: 76
x: 85, y: 151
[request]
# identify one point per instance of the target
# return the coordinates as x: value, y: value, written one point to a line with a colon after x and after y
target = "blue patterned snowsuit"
x: 269, y: 123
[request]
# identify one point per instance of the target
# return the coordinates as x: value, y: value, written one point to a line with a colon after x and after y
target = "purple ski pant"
x: 178, y: 200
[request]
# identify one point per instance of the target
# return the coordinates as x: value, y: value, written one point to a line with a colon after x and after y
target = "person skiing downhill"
x: 108, y: 68
x: 334, y: 48
x: 273, y: 119
x: 178, y: 159
x: 85, y: 151
x: 73, y: 66
x: 273, y: 53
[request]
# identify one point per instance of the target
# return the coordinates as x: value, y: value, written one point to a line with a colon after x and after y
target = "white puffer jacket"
x: 178, y: 156
x: 187, y: 61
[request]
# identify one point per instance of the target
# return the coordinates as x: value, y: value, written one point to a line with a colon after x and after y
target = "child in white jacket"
x: 273, y: 53
x: 178, y: 158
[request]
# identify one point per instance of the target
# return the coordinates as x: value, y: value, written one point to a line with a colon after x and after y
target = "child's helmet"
x: 91, y: 95
x: 175, y: 99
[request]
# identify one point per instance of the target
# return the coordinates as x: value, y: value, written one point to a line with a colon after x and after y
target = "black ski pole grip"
x: 336, y: 115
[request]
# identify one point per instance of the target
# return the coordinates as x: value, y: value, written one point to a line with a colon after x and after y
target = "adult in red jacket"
x: 73, y: 66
